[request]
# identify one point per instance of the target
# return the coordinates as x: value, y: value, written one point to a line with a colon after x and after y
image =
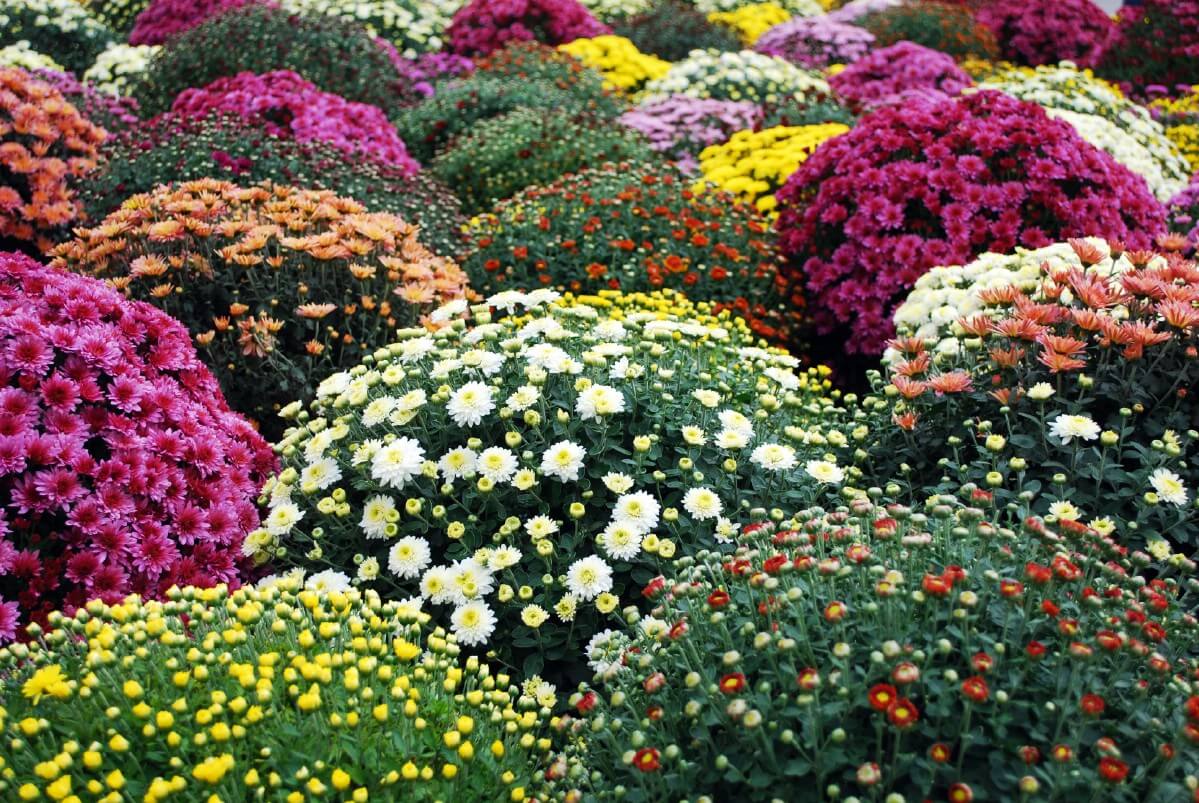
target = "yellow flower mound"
x: 753, y: 165
x: 1181, y: 119
x: 1185, y: 137
x: 750, y: 22
x: 623, y: 66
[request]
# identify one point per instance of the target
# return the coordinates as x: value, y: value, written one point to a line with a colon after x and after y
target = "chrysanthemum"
x: 470, y: 403
x: 606, y: 649
x: 282, y: 518
x: 702, y: 503
x: 496, y: 464
x: 398, y: 462
x: 616, y: 482
x: 458, y: 463
x: 824, y: 471
x: 534, y: 615
x: 369, y: 569
x: 563, y: 460
x: 736, y: 422
x: 637, y: 510
x: 523, y: 398
x: 1067, y: 427
x: 774, y: 457
x: 329, y: 581
x: 470, y: 580
x: 620, y: 541
x: 732, y: 439
x: 321, y: 474
x: 377, y: 411
x: 589, y: 577
x: 1169, y: 487
x: 540, y: 527
x: 408, y: 557
x: 436, y: 585
x: 503, y: 557
x: 473, y: 623
x: 1064, y: 510
x: 599, y: 401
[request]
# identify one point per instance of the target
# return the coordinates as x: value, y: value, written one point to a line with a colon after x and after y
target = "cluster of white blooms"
x: 1103, y: 117
x: 116, y: 69
x: 945, y: 295
x: 606, y: 10
x: 797, y: 8
x: 66, y: 16
x: 525, y: 467
x: 413, y: 26
x: 21, y: 54
x: 740, y: 75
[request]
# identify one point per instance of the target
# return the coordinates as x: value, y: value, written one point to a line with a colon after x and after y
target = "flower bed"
x: 816, y: 42
x: 744, y: 75
x: 894, y: 73
x: 623, y: 66
x: 60, y: 29
x: 671, y: 29
x: 482, y: 26
x: 1049, y: 31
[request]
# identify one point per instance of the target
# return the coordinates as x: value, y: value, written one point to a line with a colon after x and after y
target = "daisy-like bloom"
x: 534, y: 616
x: 1041, y: 391
x: 694, y: 436
x: 786, y: 379
x: 1103, y: 525
x: 413, y: 350
x: 368, y: 570
x: 458, y: 463
x: 1158, y: 548
x: 524, y: 479
x: 496, y: 464
x: 1065, y: 511
x: 824, y: 471
x: 470, y: 403
x: 503, y: 557
x: 732, y: 439
x: 617, y: 483
x: 702, y: 503
x: 377, y: 411
x: 376, y: 515
x: 540, y: 527
x: 620, y: 541
x: 447, y: 311
x: 407, y: 406
x: 734, y: 421
x: 321, y: 474
x: 638, y: 511
x: 408, y: 557
x: 606, y: 649
x: 726, y: 530
x: 567, y: 607
x: 507, y: 300
x: 523, y: 398
x: 397, y: 462
x: 437, y: 585
x: 329, y: 581
x: 623, y: 369
x: 563, y: 460
x: 1169, y: 487
x: 599, y: 401
x: 473, y: 623
x: 470, y: 580
x: 282, y: 518
x: 1068, y: 427
x: 589, y: 577
x: 774, y: 457
x: 708, y: 398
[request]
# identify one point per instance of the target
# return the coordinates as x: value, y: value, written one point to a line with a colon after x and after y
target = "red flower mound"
x: 164, y: 19
x: 1158, y: 43
x: 483, y: 26
x: 897, y: 72
x: 122, y: 469
x: 937, y: 182
x: 1048, y: 31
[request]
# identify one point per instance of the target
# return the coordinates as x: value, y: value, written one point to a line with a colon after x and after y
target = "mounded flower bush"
x: 163, y: 20
x: 879, y: 652
x: 1049, y: 31
x: 531, y: 147
x: 892, y: 74
x: 21, y: 55
x: 945, y: 27
x: 671, y: 29
x: 815, y: 42
x: 1157, y: 45
x: 613, y: 10
x: 118, y: 68
x: 272, y: 281
x: 338, y: 56
x: 935, y: 183
x: 525, y: 476
x: 631, y: 228
x: 123, y: 469
x: 1180, y: 117
x: 751, y: 20
x: 624, y: 67
x: 245, y: 152
x: 1067, y: 393
x: 291, y: 106
x: 106, y: 111
x: 743, y: 75
x: 45, y: 146
x: 61, y: 29
x: 1184, y: 214
x: 482, y: 26
x: 413, y: 26
x: 679, y: 127
x: 387, y: 709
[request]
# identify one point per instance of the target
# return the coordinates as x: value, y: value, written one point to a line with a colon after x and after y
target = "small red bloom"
x: 1037, y: 573
x: 976, y: 689
x: 1035, y: 649
x: 654, y: 587
x: 905, y: 673
x: 1112, y: 770
x: 809, y: 679
x: 654, y: 682
x: 1092, y: 705
x: 903, y: 713
x: 1010, y: 588
x: 982, y: 662
x: 733, y: 683
x: 1062, y: 753
x: 1192, y: 707
x: 940, y: 753
x: 936, y: 585
x: 960, y: 793
x: 835, y: 612
x: 718, y: 598
x: 587, y: 702
x: 1030, y: 754
x: 881, y: 696
x: 647, y: 759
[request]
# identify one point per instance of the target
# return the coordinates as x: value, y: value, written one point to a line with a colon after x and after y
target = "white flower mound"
x: 743, y: 75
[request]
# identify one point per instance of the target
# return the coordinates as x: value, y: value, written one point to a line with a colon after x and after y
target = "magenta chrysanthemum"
x: 1048, y: 31
x: 899, y: 71
x: 164, y: 19
x: 483, y: 26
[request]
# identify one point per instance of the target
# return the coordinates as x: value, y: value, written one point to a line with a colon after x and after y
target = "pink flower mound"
x: 293, y: 107
x: 165, y: 19
x: 1048, y: 31
x: 815, y: 42
x: 121, y: 468
x: 897, y: 72
x: 937, y: 182
x: 483, y: 26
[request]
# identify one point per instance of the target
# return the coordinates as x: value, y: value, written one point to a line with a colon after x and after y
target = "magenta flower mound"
x: 680, y: 126
x: 483, y: 26
x: 427, y: 69
x: 1048, y: 31
x: 1184, y: 214
x: 937, y: 182
x: 165, y: 19
x: 897, y: 72
x: 816, y: 42
x: 122, y: 469
x: 293, y: 107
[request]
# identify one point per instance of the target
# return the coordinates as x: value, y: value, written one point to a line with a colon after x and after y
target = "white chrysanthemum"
x: 282, y: 518
x: 1065, y: 511
x: 449, y: 310
x: 398, y: 462
x: 486, y: 362
x: 496, y: 464
x: 708, y: 398
x: 368, y: 570
x: 457, y: 463
x: 289, y: 579
x: 694, y: 436
x: 507, y: 300
x: 1068, y: 427
x: 469, y: 404
x: 563, y: 461
x: 407, y: 406
x: 774, y: 457
x: 321, y: 474
x: 523, y: 398
x: 589, y: 577
x: 731, y: 439
x: 702, y: 503
x: 606, y: 649
x: 825, y: 471
x: 409, y: 609
x: 469, y: 580
x: 327, y: 582
x: 315, y: 448
x: 620, y: 541
x: 503, y: 557
x: 409, y: 557
x: 473, y: 623
x: 1041, y: 391
x: 616, y: 482
x: 623, y: 369
x: 786, y: 379
x: 637, y: 510
x: 599, y: 401
x: 726, y: 530
x: 377, y: 513
x: 736, y: 422
x: 437, y: 585
x: 378, y: 411
x: 1169, y: 487
x: 540, y: 527
x: 416, y: 348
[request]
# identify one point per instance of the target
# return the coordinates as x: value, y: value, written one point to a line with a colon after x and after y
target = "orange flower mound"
x: 279, y: 286
x: 44, y: 143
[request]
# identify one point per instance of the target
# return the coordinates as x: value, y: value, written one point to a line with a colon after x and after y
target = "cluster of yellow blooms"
x: 1180, y: 116
x: 263, y: 693
x: 751, y: 21
x: 753, y: 165
x: 623, y: 66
